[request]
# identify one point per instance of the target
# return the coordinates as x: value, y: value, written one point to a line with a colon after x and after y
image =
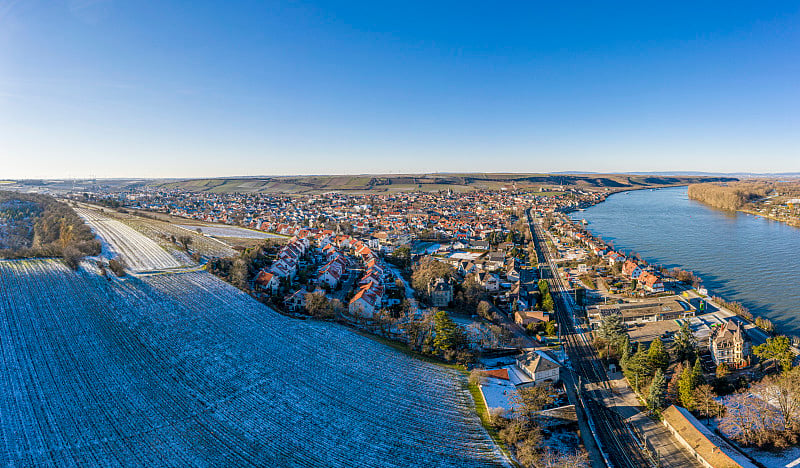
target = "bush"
x: 117, y: 266
x: 72, y: 257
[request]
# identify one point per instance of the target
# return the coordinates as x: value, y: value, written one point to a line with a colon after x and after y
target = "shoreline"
x: 708, y: 297
x: 791, y: 223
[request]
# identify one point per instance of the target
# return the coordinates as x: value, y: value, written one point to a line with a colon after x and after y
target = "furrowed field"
x: 182, y: 369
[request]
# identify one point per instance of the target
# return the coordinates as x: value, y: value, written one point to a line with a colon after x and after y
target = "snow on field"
x: 139, y: 252
x: 160, y: 232
x: 185, y: 370
x: 231, y: 231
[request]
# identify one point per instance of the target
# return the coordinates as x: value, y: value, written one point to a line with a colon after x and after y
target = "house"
x: 267, y: 282
x: 366, y: 301
x: 466, y: 267
x: 631, y: 269
x: 526, y: 317
x: 614, y: 258
x: 440, y: 292
x: 729, y: 344
x: 513, y: 272
x: 331, y: 273
x: 499, y: 388
x: 297, y: 300
x: 489, y: 281
x: 539, y: 366
x: 650, y: 282
x: 494, y: 260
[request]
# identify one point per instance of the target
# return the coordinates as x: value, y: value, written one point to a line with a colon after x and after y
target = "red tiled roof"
x: 496, y: 373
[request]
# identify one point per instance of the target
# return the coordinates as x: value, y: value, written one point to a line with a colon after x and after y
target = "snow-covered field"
x: 231, y: 231
x: 138, y: 252
x: 159, y: 231
x: 184, y: 370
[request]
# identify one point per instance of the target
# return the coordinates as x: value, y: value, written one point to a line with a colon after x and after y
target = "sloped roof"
x: 711, y: 447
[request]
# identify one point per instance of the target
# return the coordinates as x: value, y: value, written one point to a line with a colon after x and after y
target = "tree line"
x: 729, y: 196
x: 52, y: 229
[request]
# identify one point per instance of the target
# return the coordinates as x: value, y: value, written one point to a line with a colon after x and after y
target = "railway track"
x: 617, y: 442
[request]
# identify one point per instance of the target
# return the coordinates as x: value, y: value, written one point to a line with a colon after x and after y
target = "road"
x: 620, y: 448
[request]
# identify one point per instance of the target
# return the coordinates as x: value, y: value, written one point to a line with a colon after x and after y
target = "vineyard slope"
x: 182, y: 369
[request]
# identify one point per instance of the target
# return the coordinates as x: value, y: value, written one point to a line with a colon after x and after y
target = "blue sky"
x: 190, y: 89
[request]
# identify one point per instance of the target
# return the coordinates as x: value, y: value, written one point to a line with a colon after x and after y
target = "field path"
x: 138, y: 251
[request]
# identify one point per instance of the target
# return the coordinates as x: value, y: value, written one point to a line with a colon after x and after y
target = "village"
x: 456, y: 278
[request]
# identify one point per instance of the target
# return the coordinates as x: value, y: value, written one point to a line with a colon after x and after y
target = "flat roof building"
x: 641, y: 312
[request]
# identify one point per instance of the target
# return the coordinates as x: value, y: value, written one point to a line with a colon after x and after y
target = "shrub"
x: 117, y: 266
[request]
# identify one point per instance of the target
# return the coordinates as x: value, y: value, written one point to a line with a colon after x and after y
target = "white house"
x: 539, y: 366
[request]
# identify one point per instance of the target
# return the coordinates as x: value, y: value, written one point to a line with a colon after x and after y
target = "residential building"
x: 526, y: 317
x: 539, y: 366
x: 631, y: 269
x: 440, y: 292
x: 729, y: 344
x: 266, y: 282
x: 651, y: 282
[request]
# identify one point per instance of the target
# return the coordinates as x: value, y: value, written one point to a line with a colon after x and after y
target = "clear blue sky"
x: 186, y: 89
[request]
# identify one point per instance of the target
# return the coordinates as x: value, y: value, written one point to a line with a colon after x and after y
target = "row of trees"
x: 646, y: 367
x: 545, y: 298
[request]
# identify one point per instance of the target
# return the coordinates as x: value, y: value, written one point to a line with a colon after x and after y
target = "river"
x: 740, y: 257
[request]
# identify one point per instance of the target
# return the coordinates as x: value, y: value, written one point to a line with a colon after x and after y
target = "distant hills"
x: 433, y: 182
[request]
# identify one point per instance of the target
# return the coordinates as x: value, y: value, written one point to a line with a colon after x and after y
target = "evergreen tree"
x: 611, y: 328
x: 637, y: 369
x: 686, y: 386
x: 547, y: 303
x: 544, y: 288
x: 685, y: 344
x: 778, y: 348
x: 550, y: 328
x: 624, y: 349
x: 446, y: 332
x: 697, y: 373
x: 658, y: 390
x: 658, y: 355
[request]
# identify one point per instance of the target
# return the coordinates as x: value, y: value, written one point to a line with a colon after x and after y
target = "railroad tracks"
x: 615, y: 438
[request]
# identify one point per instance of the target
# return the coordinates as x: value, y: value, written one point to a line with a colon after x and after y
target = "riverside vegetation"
x: 730, y: 196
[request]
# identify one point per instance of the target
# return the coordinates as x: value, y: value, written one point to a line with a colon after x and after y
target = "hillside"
x: 430, y: 182
x: 182, y: 369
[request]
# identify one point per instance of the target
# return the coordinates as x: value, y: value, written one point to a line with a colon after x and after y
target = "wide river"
x: 740, y: 257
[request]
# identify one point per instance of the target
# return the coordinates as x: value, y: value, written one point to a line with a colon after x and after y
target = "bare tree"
x: 783, y: 391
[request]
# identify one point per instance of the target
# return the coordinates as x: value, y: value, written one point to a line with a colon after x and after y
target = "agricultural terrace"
x: 139, y: 252
x: 182, y: 369
x: 162, y: 232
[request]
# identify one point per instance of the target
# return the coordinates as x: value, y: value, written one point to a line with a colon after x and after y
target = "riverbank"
x: 788, y: 221
x: 740, y: 258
